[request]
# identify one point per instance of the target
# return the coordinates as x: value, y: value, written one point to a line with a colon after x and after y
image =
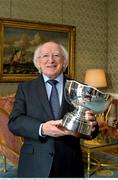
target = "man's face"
x: 51, y: 60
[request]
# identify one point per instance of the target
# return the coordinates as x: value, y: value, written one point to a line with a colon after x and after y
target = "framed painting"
x: 18, y: 41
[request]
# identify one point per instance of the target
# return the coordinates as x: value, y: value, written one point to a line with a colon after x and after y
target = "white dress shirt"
x: 48, y: 86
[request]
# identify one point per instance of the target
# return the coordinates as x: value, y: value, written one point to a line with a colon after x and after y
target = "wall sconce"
x: 96, y: 78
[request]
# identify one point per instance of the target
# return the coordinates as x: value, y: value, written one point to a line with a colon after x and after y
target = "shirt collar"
x: 59, y: 78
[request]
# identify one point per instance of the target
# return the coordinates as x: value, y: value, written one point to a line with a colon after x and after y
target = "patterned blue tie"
x: 54, y: 98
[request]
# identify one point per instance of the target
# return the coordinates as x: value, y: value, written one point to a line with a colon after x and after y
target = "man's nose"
x: 51, y: 57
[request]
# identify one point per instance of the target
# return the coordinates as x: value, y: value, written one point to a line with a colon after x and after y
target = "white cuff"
x: 40, y: 131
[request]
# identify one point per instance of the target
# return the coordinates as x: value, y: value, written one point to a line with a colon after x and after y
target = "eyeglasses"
x: 48, y: 56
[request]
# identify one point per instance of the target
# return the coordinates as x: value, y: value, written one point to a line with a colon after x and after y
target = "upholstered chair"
x: 9, y: 143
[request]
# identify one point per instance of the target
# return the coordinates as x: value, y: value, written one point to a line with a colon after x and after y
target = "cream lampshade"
x: 96, y: 78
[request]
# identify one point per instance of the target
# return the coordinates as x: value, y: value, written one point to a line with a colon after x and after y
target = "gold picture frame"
x: 18, y: 41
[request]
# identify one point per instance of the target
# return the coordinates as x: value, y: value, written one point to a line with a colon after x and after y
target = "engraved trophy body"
x: 83, y: 98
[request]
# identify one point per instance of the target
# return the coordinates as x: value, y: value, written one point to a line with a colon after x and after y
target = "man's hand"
x: 90, y: 116
x: 54, y: 128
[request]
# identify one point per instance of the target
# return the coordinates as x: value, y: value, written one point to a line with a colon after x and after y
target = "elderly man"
x: 49, y: 150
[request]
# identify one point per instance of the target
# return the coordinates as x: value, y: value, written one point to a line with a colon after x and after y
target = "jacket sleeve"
x: 19, y: 122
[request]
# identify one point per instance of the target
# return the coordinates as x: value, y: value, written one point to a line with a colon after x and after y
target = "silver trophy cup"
x: 83, y: 98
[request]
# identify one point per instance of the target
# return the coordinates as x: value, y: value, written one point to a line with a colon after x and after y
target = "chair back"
x: 10, y: 144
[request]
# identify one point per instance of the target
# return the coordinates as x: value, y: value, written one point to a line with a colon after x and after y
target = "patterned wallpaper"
x: 113, y: 45
x: 96, y: 31
x: 89, y: 17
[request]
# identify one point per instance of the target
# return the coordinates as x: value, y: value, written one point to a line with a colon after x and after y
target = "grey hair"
x: 38, y: 51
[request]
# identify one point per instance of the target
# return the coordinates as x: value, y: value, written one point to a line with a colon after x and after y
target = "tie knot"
x: 52, y: 82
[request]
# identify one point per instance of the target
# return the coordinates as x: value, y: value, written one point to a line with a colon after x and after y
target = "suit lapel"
x: 41, y: 91
x: 64, y: 103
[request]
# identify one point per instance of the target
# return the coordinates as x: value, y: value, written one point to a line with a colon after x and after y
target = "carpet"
x: 103, y: 172
x: 11, y: 169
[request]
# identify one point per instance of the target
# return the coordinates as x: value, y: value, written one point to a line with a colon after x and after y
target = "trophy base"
x: 77, y: 124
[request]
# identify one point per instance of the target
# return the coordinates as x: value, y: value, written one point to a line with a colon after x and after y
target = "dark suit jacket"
x: 32, y: 108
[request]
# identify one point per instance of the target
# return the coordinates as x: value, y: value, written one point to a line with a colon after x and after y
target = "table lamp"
x: 96, y: 78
